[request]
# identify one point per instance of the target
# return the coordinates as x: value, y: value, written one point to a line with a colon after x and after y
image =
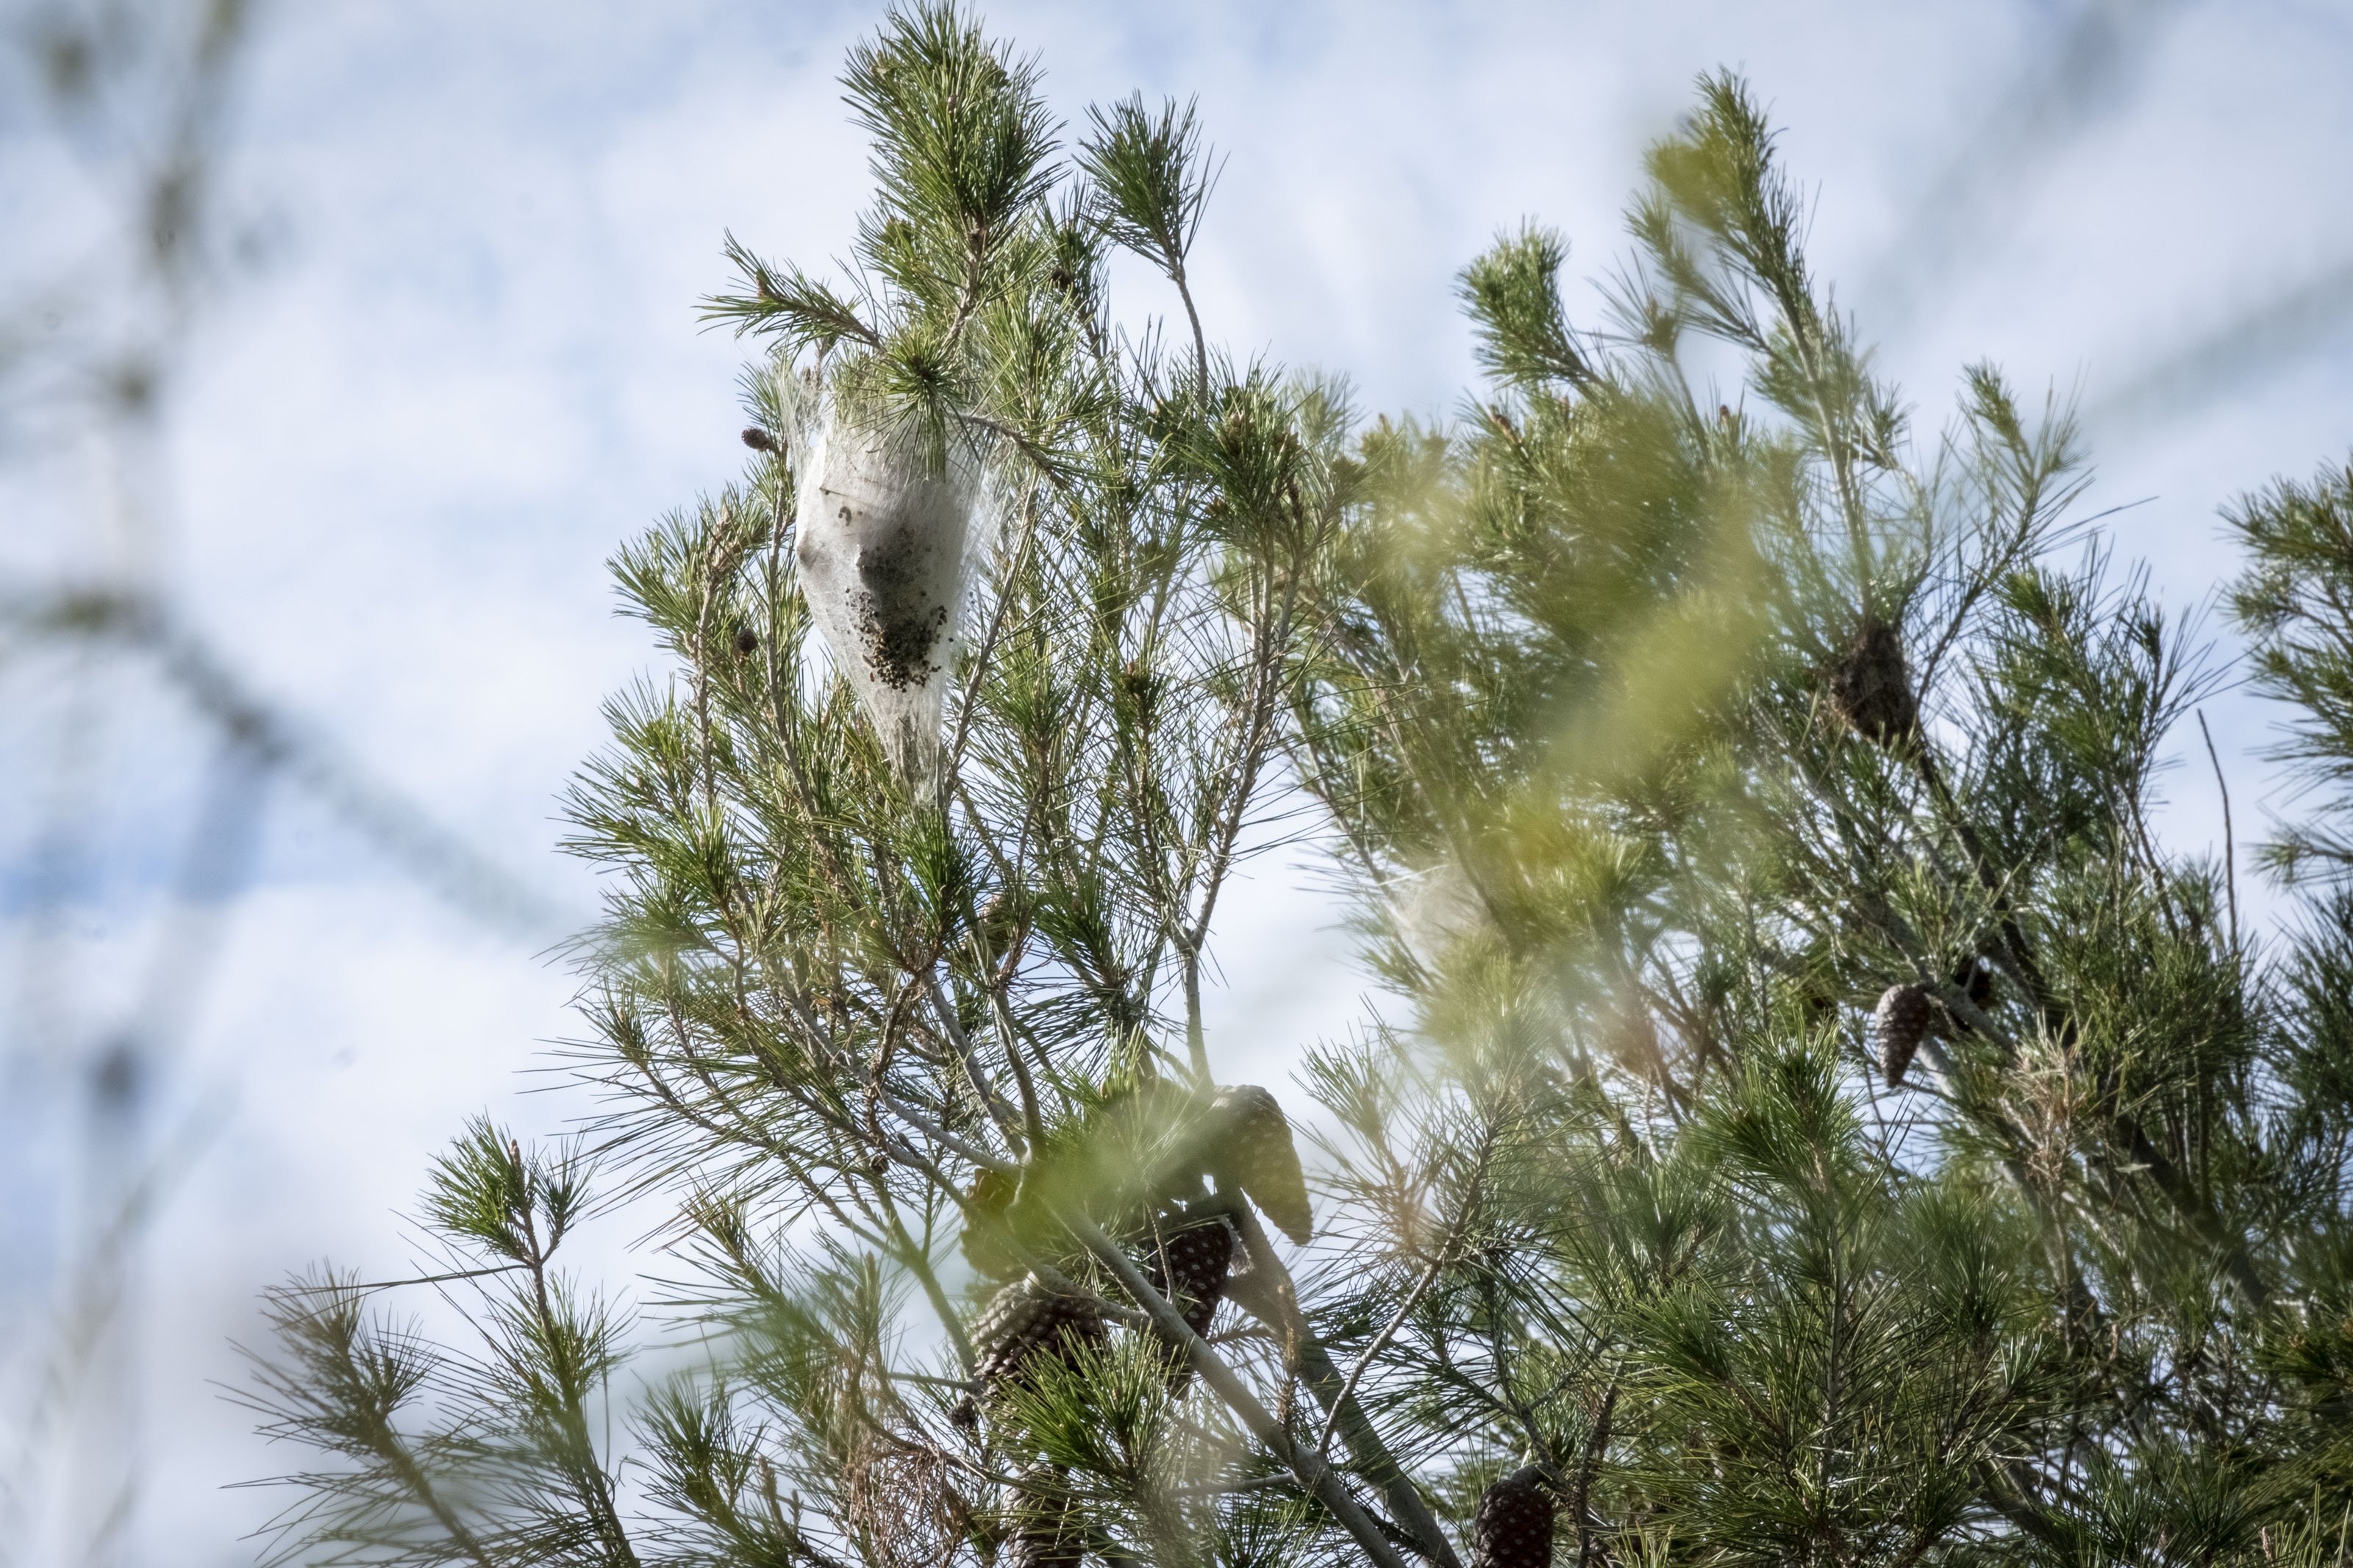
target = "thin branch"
x: 2230, y: 839
x: 1372, y: 1351
x: 1367, y: 1449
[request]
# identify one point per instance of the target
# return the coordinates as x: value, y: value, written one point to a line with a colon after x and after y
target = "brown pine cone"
x: 1871, y: 688
x: 1513, y: 1528
x: 1043, y: 1534
x: 1187, y: 1261
x: 1021, y: 1322
x: 1253, y: 1151
x: 1897, y: 1024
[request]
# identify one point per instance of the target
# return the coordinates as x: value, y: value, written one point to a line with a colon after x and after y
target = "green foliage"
x: 1657, y: 736
x: 1151, y: 177
x: 2291, y: 601
x: 1512, y: 294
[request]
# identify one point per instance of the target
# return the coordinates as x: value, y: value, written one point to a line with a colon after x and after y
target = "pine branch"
x: 1317, y: 1476
x: 1367, y: 1450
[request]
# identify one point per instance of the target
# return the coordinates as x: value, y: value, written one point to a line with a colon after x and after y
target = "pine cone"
x: 1871, y: 688
x: 1187, y: 1262
x: 1042, y: 1534
x: 1022, y: 1321
x: 1897, y: 1024
x: 1254, y: 1151
x: 1513, y: 1528
x: 759, y: 440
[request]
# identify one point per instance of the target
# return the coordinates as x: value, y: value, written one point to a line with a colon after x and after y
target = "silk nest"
x: 891, y: 530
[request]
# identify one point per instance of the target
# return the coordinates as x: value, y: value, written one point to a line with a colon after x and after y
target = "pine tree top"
x: 1819, y: 1121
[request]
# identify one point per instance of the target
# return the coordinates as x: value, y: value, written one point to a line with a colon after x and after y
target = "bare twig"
x: 2229, y: 839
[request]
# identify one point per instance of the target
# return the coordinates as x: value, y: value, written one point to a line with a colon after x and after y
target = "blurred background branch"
x: 137, y: 99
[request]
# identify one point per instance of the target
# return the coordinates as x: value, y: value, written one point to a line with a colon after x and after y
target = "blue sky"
x: 468, y: 367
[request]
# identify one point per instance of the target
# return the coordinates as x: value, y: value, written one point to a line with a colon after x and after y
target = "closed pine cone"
x: 1187, y: 1262
x: 1255, y: 1152
x: 1024, y: 1320
x: 1871, y: 688
x: 1513, y: 1528
x: 1897, y: 1024
x: 1042, y: 1534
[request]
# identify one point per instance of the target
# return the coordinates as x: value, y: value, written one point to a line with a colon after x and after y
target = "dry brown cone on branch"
x: 1043, y: 1535
x: 1187, y: 1260
x: 1023, y: 1322
x: 1253, y: 1151
x: 1872, y: 689
x: 1513, y: 1528
x: 1898, y: 1026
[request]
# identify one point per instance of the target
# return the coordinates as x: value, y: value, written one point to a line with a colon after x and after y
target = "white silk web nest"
x: 890, y: 546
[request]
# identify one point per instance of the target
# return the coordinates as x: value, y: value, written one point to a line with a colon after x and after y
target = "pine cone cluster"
x: 1898, y: 1026
x: 1253, y: 1151
x: 1024, y: 1320
x: 1513, y: 1528
x: 1871, y: 688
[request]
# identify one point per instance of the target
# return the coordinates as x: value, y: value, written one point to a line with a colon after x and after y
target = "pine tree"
x: 1815, y: 1121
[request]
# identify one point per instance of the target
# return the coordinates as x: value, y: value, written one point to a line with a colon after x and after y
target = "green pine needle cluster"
x: 1658, y: 727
